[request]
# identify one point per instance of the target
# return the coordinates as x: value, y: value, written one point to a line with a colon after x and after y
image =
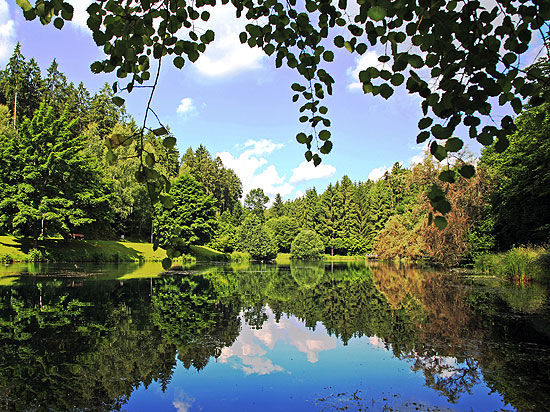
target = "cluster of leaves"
x: 307, y: 245
x: 457, y: 56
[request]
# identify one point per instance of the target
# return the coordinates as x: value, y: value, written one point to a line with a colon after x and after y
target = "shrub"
x: 239, y: 256
x: 519, y: 264
x: 256, y: 239
x: 307, y: 245
x: 35, y: 255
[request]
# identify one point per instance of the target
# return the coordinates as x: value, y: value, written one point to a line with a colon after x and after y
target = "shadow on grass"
x: 60, y: 250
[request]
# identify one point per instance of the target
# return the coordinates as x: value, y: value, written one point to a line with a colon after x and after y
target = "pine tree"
x: 20, y: 86
x: 56, y: 187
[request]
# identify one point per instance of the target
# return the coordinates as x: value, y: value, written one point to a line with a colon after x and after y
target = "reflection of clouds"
x: 183, y: 403
x: 250, y: 350
x: 294, y: 332
x: 377, y: 342
x: 250, y: 354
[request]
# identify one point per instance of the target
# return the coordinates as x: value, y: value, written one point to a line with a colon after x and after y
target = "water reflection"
x: 98, y: 342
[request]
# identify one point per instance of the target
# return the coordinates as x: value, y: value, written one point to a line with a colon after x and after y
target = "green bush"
x: 256, y: 239
x: 36, y: 255
x: 307, y: 245
x: 519, y: 264
x: 240, y: 256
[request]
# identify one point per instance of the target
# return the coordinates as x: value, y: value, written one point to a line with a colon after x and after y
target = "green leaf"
x: 377, y: 13
x: 149, y: 160
x: 438, y: 151
x: 110, y: 156
x: 348, y: 46
x: 397, y: 79
x: 443, y: 206
x: 58, y: 23
x: 467, y: 171
x: 502, y: 144
x: 24, y: 4
x: 440, y: 222
x: 328, y: 56
x: 326, y: 147
x: 301, y: 138
x: 441, y: 132
x: 118, y: 101
x: 160, y: 131
x: 422, y: 136
x: 436, y: 194
x: 425, y: 123
x: 166, y: 263
x: 317, y: 159
x: 386, y: 91
x: 447, y: 176
x: 179, y: 62
x: 454, y: 144
x: 167, y: 201
x: 324, y: 135
x: 169, y: 142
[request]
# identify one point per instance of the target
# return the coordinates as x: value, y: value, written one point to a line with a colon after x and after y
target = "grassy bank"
x: 520, y: 264
x: 58, y: 250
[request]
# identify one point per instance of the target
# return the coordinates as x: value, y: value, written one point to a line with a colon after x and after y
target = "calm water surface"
x: 303, y: 337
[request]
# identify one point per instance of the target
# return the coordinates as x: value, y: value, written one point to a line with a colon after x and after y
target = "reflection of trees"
x: 189, y: 314
x: 307, y: 274
x: 66, y: 347
x: 515, y: 356
x: 77, y: 348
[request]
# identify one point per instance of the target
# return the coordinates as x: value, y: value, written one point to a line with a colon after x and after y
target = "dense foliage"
x: 190, y: 219
x: 307, y: 245
x: 59, y: 176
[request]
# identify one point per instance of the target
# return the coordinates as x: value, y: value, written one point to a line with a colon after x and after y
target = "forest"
x: 66, y: 168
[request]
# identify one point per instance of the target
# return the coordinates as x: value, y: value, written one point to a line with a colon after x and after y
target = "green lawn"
x: 58, y: 250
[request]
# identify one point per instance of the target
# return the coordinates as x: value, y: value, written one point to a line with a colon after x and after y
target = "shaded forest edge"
x: 67, y: 172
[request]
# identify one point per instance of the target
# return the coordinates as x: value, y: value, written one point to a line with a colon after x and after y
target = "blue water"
x: 287, y: 367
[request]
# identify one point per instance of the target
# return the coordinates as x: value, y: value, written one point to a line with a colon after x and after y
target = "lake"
x: 241, y: 337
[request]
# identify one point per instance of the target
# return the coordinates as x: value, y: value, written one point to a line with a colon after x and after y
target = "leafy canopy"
x: 460, y: 57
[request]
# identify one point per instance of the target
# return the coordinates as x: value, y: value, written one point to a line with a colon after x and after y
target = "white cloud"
x: 298, y: 194
x: 182, y: 403
x: 80, y: 15
x: 259, y: 147
x: 249, y: 166
x: 369, y: 59
x: 187, y: 107
x: 377, y: 173
x: 7, y: 32
x: 226, y: 55
x: 307, y: 171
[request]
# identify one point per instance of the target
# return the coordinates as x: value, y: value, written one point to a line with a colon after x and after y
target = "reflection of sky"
x: 285, y: 366
x: 249, y: 352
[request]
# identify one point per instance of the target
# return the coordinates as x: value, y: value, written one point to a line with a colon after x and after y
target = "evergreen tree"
x: 190, y: 221
x: 310, y: 210
x: 20, y: 86
x: 284, y: 229
x: 56, y: 188
x: 278, y: 206
x: 329, y: 217
x: 256, y: 203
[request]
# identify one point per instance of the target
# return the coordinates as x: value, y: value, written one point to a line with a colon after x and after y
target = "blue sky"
x: 239, y: 106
